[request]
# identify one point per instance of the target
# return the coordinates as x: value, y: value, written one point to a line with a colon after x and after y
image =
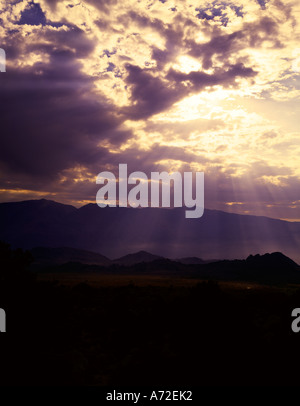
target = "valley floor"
x: 97, y: 330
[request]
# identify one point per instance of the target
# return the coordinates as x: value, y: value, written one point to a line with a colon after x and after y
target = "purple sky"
x: 159, y: 85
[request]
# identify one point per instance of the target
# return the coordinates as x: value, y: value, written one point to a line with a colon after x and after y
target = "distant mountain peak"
x: 137, y: 257
x: 190, y: 260
x: 277, y: 259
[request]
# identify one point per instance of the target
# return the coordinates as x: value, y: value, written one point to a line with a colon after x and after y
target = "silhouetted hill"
x: 136, y: 258
x: 268, y: 268
x: 276, y: 260
x: 191, y: 260
x: 33, y: 223
x: 114, y: 232
x: 44, y: 256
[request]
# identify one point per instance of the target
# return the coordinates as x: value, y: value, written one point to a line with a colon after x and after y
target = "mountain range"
x: 115, y: 232
x: 44, y: 257
x: 268, y: 268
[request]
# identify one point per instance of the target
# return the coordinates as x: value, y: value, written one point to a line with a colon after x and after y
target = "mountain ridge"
x: 270, y: 268
x: 46, y: 256
x: 114, y: 232
x: 137, y: 257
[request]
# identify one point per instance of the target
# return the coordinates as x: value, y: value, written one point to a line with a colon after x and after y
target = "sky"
x: 160, y: 85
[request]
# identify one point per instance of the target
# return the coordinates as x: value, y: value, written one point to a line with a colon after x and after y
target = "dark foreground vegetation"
x: 144, y: 335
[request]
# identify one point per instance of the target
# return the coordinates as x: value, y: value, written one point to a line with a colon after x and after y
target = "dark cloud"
x: 172, y: 33
x: 223, y: 46
x: 143, y: 21
x: 33, y: 15
x: 161, y: 57
x: 262, y: 3
x: 266, y: 29
x: 286, y: 9
x: 152, y: 93
x: 149, y: 94
x: 196, y: 80
x: 73, y: 40
x: 217, y: 10
x: 108, y: 53
x: 52, y: 120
